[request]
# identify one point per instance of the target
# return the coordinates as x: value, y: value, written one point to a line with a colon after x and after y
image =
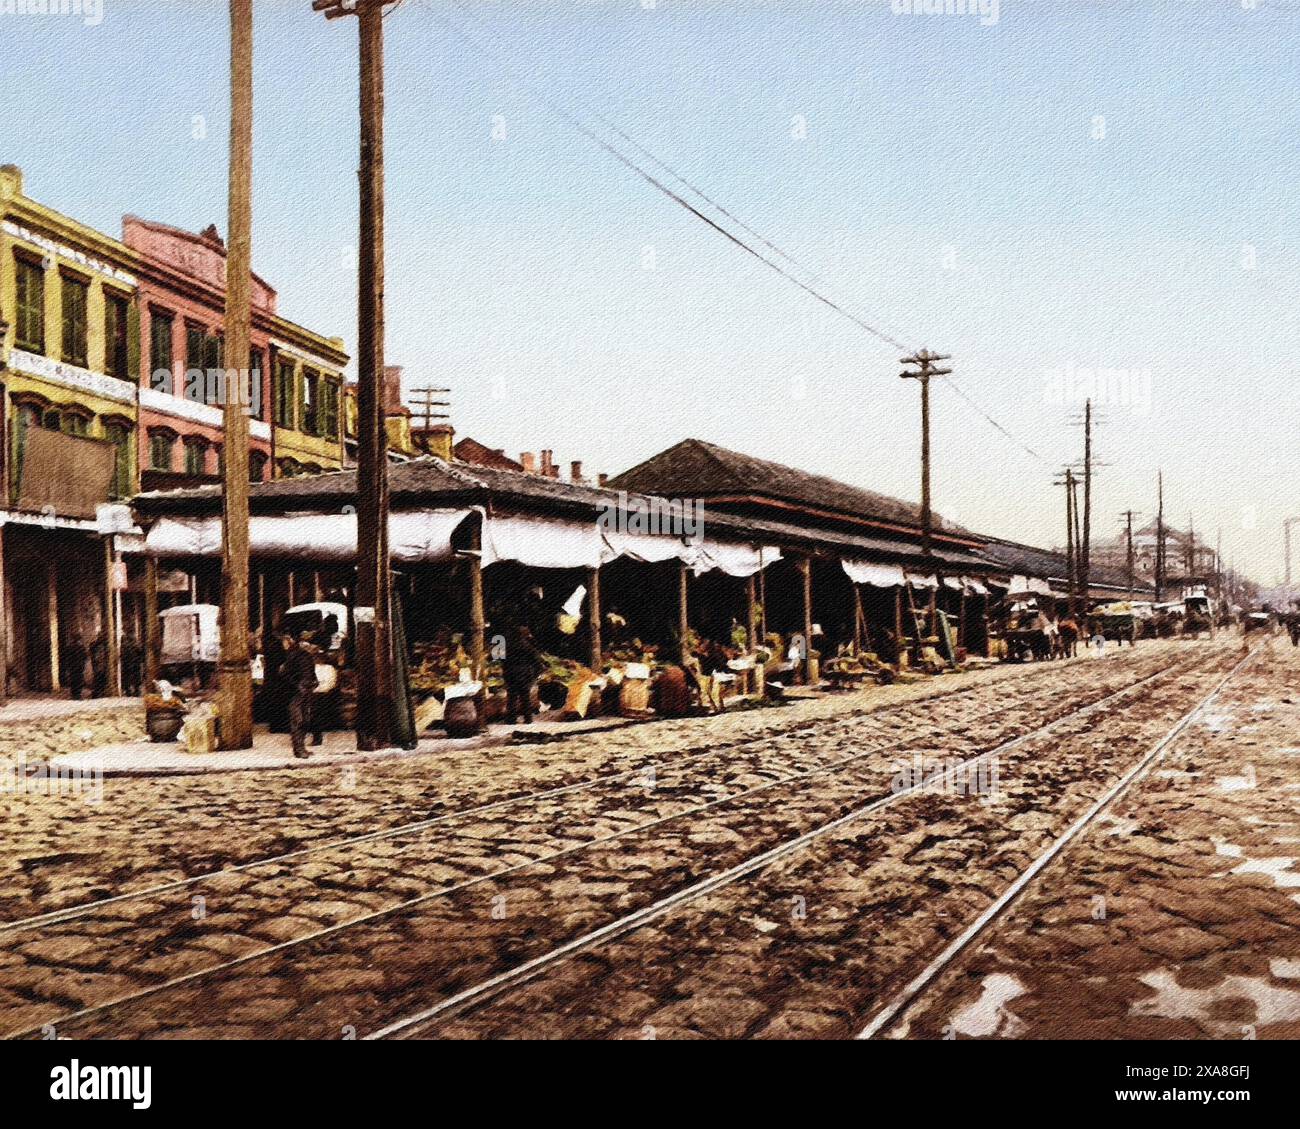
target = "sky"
x: 1042, y: 189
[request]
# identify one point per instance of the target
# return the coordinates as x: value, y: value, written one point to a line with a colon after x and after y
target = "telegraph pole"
x: 924, y: 362
x: 1070, y: 570
x: 1160, y: 537
x: 1128, y: 516
x: 1085, y: 548
x: 373, y: 613
x: 235, y: 682
x: 426, y: 406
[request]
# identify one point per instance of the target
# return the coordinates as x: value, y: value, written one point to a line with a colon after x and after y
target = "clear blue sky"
x: 949, y: 187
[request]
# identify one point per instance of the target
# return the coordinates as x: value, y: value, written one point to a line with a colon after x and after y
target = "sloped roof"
x: 432, y: 480
x: 694, y: 468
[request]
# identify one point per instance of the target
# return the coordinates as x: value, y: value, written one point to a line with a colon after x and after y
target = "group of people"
x: 75, y: 656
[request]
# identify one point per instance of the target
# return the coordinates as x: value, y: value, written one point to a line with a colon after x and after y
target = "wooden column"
x: 595, y: 654
x: 898, y: 625
x: 110, y: 623
x: 859, y: 621
x: 805, y: 573
x: 477, y: 622
x: 151, y: 640
x: 751, y: 612
x: 52, y: 597
x: 683, y: 620
x: 4, y: 623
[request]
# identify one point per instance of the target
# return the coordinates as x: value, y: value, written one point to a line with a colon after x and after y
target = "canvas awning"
x: 876, y: 574
x: 921, y: 580
x: 416, y: 537
x: 543, y: 542
x: 645, y: 547
x: 734, y: 559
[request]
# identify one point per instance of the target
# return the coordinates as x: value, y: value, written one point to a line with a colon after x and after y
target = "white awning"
x: 731, y: 558
x: 955, y: 583
x: 975, y: 587
x: 542, y: 542
x: 875, y: 574
x: 1024, y: 585
x: 645, y: 547
x: 920, y: 580
x: 422, y: 537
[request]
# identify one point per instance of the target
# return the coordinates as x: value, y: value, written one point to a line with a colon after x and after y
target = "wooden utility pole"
x: 924, y: 362
x: 1287, y: 525
x: 1085, y: 547
x: 235, y: 681
x: 1128, y: 517
x: 1160, y: 537
x: 375, y: 691
x: 1071, y: 571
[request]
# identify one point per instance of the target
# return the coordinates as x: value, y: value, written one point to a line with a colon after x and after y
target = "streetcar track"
x: 529, y: 970
x: 1177, y: 667
x: 689, y: 755
x: 894, y: 1010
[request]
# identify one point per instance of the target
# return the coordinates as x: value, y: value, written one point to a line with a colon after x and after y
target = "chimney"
x: 548, y: 464
x: 392, y: 390
x: 529, y: 461
x: 575, y: 470
x: 602, y: 479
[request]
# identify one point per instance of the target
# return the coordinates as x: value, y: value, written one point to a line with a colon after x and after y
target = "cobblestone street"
x: 777, y: 873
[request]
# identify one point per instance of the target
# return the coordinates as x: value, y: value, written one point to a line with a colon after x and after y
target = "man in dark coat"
x: 298, y: 672
x: 99, y: 666
x: 132, y: 665
x: 520, y: 668
x: 73, y: 664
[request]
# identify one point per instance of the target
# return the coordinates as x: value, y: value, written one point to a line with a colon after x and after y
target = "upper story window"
x: 76, y: 422
x: 30, y: 306
x: 116, y: 327
x: 330, y: 391
x: 196, y: 456
x: 255, y: 383
x: 284, y: 394
x: 119, y: 434
x: 161, y: 443
x: 76, y: 292
x: 161, y: 377
x: 310, y: 401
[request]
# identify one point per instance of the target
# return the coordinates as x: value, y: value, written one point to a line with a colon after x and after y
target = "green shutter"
x: 133, y: 342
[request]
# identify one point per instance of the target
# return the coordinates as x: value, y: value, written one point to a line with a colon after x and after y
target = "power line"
x: 677, y: 198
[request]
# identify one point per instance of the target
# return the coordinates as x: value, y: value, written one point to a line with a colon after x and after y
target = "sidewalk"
x: 52, y: 709
x: 273, y: 751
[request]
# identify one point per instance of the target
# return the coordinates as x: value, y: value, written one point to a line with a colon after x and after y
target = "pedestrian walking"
x: 298, y: 672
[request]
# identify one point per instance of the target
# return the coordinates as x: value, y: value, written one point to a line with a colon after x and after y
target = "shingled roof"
x: 696, y: 469
x: 430, y: 480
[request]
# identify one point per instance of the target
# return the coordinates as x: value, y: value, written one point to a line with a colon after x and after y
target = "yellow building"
x: 308, y: 404
x: 68, y: 358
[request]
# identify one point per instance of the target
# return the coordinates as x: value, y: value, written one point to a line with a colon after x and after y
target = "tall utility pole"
x: 1128, y: 516
x: 235, y: 681
x: 426, y: 403
x: 1286, y: 534
x: 924, y: 361
x: 1085, y: 547
x: 375, y: 678
x: 1160, y: 537
x: 1071, y: 571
